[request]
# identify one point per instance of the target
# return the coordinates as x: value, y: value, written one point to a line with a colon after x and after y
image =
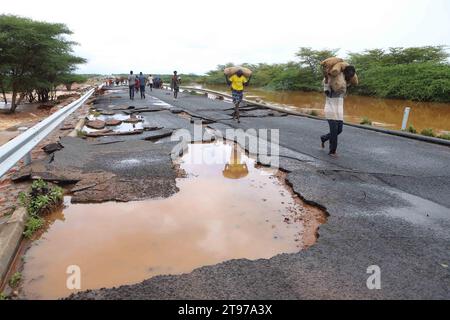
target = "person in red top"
x: 136, y: 85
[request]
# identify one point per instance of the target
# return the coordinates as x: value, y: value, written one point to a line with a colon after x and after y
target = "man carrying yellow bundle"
x: 237, y: 82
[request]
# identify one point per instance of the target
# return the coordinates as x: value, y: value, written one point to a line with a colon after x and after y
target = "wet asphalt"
x: 388, y: 203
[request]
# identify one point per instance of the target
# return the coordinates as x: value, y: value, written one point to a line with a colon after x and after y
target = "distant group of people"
x: 138, y: 83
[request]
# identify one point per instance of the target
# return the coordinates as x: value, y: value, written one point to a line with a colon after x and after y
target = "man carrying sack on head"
x: 338, y: 76
x: 237, y: 82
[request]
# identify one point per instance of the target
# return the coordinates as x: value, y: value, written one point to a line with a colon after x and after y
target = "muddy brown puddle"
x: 227, y: 208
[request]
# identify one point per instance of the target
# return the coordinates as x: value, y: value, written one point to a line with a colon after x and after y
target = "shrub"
x: 366, y: 121
x: 15, y: 280
x: 428, y: 132
x: 33, y: 225
x: 314, y: 113
x: 40, y: 200
x: 411, y: 129
x: 445, y: 136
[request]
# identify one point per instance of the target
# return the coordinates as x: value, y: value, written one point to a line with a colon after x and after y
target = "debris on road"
x: 52, y: 147
x: 96, y: 124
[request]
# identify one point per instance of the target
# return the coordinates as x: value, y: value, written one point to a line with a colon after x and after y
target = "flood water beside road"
x: 387, y: 113
x: 227, y: 208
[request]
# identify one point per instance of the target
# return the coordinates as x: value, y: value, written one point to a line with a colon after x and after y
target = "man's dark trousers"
x: 336, y: 127
x: 131, y: 92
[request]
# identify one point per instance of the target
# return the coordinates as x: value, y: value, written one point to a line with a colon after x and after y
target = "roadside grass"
x: 32, y: 225
x: 428, y: 133
x: 445, y: 136
x: 411, y: 129
x: 195, y: 93
x: 81, y: 134
x: 40, y: 200
x: 366, y: 121
x: 15, y: 280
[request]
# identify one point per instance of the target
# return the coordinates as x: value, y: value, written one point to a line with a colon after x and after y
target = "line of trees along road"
x: 35, y: 57
x: 418, y: 73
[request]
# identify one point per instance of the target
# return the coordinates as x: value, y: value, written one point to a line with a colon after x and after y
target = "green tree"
x: 311, y: 59
x: 34, y: 56
x: 395, y: 56
x: 417, y: 73
x: 69, y: 79
x: 435, y: 54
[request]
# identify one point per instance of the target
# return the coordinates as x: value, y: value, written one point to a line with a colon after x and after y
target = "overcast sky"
x: 197, y: 35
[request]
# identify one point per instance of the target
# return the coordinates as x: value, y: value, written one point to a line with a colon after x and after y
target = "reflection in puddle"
x: 235, y: 169
x: 227, y: 208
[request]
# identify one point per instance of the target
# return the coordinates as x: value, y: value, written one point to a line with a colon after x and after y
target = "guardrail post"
x: 405, y: 118
x: 27, y: 159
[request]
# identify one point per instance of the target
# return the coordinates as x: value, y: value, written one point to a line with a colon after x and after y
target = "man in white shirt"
x: 334, y: 113
x: 131, y: 84
x: 150, y: 82
x: 334, y: 110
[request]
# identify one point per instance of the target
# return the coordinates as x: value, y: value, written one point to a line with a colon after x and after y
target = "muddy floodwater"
x: 387, y: 113
x: 227, y: 208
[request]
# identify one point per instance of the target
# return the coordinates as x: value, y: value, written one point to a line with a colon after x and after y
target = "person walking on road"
x: 150, y: 82
x: 175, y: 84
x: 142, y: 85
x: 237, y: 82
x: 131, y: 84
x: 334, y: 112
x: 136, y: 85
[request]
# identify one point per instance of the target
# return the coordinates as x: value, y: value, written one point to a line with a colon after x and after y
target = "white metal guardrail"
x: 21, y: 146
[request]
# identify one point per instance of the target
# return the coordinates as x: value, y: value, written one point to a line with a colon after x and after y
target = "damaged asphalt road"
x: 120, y: 171
x: 387, y: 199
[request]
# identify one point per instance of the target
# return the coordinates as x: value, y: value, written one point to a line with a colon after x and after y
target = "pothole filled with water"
x: 227, y: 208
x: 115, y: 123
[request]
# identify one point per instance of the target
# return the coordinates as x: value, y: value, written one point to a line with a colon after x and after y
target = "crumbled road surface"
x: 387, y: 198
